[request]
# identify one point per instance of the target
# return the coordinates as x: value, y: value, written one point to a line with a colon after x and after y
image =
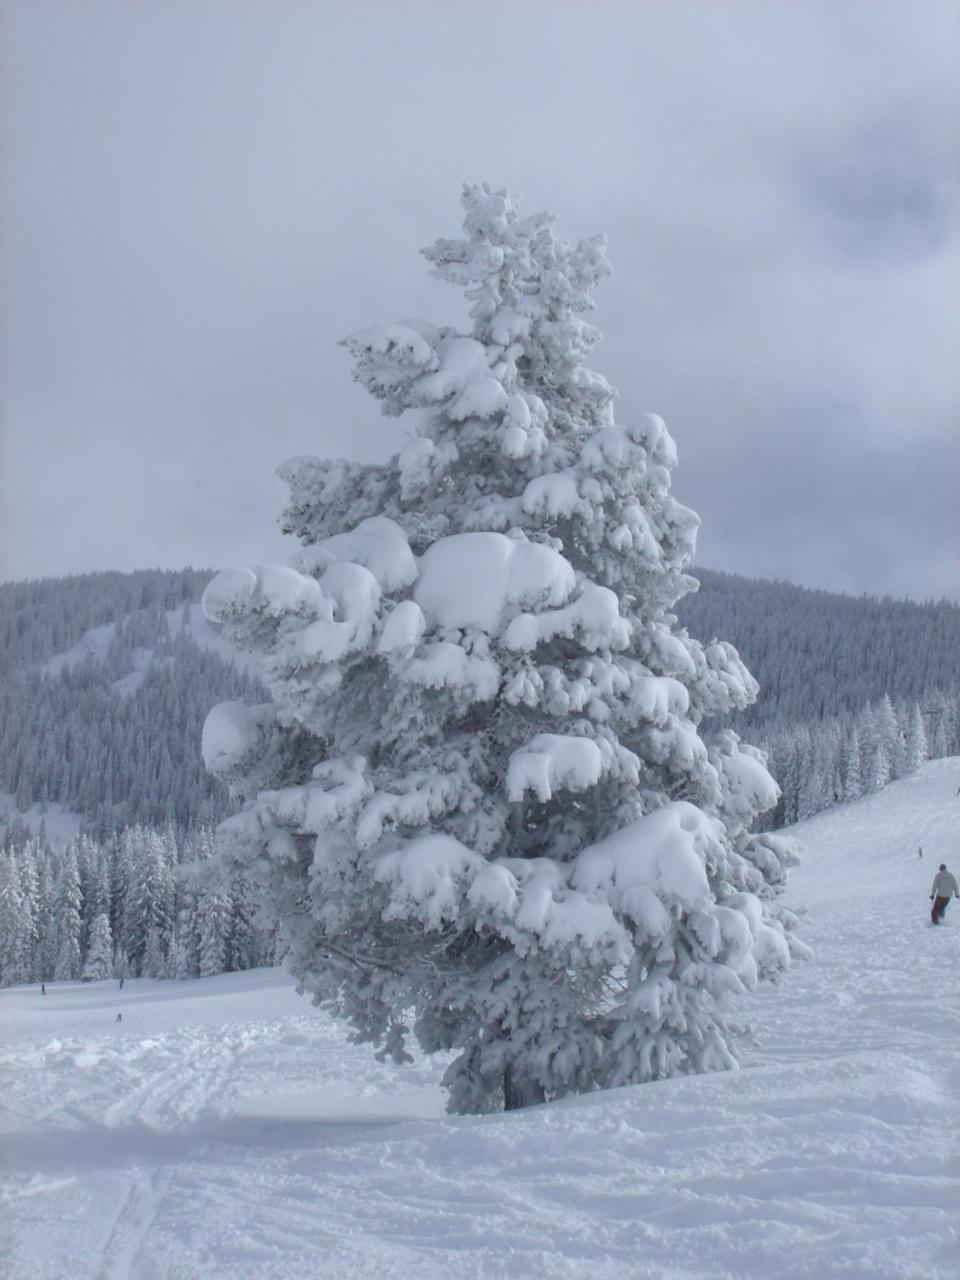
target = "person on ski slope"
x: 943, y: 885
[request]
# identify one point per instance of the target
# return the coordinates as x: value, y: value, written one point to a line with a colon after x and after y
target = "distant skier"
x: 944, y: 883
x: 119, y: 1017
x: 43, y: 988
x: 121, y: 982
x: 920, y: 852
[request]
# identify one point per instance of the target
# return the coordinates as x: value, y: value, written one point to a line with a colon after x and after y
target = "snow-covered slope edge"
x: 224, y: 1129
x: 94, y: 644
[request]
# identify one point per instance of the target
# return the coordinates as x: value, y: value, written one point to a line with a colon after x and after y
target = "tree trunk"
x: 519, y: 1091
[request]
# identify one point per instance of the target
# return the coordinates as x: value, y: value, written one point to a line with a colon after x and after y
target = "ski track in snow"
x: 226, y: 1129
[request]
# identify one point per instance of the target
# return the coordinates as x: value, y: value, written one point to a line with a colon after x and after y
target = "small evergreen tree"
x: 916, y: 740
x: 155, y: 960
x: 99, y: 959
x: 214, y: 932
x: 13, y: 942
x: 879, y: 772
x: 852, y: 775
x: 69, y: 917
x: 888, y: 738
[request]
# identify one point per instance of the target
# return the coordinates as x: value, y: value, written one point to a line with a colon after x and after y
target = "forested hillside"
x: 816, y: 654
x: 45, y: 617
x: 105, y: 680
x: 854, y: 691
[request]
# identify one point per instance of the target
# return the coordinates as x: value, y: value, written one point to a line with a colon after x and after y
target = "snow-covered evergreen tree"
x: 13, y: 941
x: 916, y: 749
x: 481, y: 792
x: 852, y: 767
x: 30, y: 908
x: 69, y: 917
x: 879, y: 771
x: 155, y: 961
x: 887, y: 737
x: 214, y: 932
x: 47, y: 923
x: 149, y: 908
x: 98, y: 963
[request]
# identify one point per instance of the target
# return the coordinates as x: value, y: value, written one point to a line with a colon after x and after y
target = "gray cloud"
x: 202, y: 201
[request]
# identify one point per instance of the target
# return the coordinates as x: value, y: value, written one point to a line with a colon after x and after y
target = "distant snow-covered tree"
x: 12, y: 935
x: 852, y: 767
x: 915, y: 749
x: 69, y: 917
x: 155, y: 958
x: 887, y: 737
x: 98, y: 963
x: 214, y: 932
x: 149, y: 908
x: 879, y: 769
x: 30, y: 919
x: 481, y: 792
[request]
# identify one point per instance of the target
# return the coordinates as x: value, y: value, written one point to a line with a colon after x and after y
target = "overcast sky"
x: 200, y: 199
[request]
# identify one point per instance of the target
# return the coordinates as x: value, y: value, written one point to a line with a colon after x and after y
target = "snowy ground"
x: 224, y: 1129
x: 57, y: 823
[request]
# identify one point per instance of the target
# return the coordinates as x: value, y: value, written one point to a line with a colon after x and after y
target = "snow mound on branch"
x: 552, y: 762
x: 349, y: 599
x: 407, y: 366
x: 558, y: 916
x: 662, y: 854
x: 749, y: 787
x: 401, y: 342
x: 526, y: 900
x: 471, y: 580
x: 427, y: 874
x: 228, y: 593
x: 463, y: 378
x: 232, y: 733
x: 403, y: 628
x: 593, y: 619
x: 338, y: 788
x: 554, y: 494
x: 656, y: 698
x: 270, y: 590
x: 380, y: 545
x: 446, y: 665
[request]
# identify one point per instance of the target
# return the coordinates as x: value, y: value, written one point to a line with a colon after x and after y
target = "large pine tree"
x: 480, y: 806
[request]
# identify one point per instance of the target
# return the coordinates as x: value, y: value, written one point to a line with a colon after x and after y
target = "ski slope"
x: 58, y: 824
x: 94, y: 644
x: 225, y: 1129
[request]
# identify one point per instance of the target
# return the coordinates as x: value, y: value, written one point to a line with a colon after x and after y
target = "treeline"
x: 115, y: 735
x: 844, y: 757
x: 140, y: 904
x: 818, y: 655
x: 143, y: 903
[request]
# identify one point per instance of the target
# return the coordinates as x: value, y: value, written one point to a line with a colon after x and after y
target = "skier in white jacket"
x: 944, y: 883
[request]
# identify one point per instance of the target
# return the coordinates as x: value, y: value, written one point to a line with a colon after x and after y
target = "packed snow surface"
x: 58, y: 824
x: 225, y: 1129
